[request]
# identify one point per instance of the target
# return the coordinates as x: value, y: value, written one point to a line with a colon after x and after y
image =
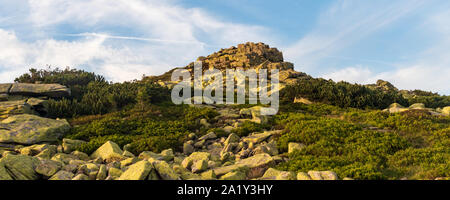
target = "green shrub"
x: 341, y: 94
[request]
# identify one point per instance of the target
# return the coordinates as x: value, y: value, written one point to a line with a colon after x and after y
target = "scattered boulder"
x: 138, y: 171
x: 446, y: 111
x: 31, y: 129
x: 70, y: 145
x: 302, y: 176
x: 165, y: 171
x: 295, y: 147
x: 257, y: 164
x: 302, y: 100
x: 109, y: 151
x: 273, y: 174
x: 234, y: 175
x: 396, y: 108
x: 48, y: 168
x: 20, y: 167
x: 62, y: 176
x: 4, y: 175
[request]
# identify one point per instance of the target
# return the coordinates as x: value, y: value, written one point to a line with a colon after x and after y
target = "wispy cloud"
x: 121, y: 39
x: 344, y: 23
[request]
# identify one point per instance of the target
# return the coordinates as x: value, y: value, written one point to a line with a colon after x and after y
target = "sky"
x: 406, y: 42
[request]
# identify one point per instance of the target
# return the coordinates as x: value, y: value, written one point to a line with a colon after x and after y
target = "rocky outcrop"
x: 28, y: 89
x: 31, y: 129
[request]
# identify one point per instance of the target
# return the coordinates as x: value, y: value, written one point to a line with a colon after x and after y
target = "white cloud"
x: 121, y: 39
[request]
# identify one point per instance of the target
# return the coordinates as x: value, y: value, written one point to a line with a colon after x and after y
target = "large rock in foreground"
x: 31, y: 129
x: 19, y: 167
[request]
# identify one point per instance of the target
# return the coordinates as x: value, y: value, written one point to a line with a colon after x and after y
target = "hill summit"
x: 245, y: 56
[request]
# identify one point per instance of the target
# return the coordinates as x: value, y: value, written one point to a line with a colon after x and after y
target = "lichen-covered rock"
x: 63, y: 158
x: 196, y: 156
x: 257, y: 138
x: 109, y: 151
x: 137, y: 171
x: 273, y: 174
x: 165, y: 171
x: 292, y: 147
x: 257, y: 164
x: 235, y: 175
x: 446, y: 111
x: 80, y: 177
x: 80, y: 155
x: 199, y: 166
x: 31, y: 129
x: 396, y: 108
x: 167, y: 155
x: 232, y: 138
x: 4, y: 175
x: 62, y: 176
x: 49, y: 90
x: 48, y: 168
x: 102, y: 173
x: 90, y: 169
x: 303, y: 176
x: 20, y: 167
x: 315, y: 175
x: 10, y: 108
x: 329, y: 175
x: 148, y: 155
x: 70, y: 145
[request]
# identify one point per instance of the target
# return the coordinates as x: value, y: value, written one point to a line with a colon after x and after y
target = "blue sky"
x: 403, y: 41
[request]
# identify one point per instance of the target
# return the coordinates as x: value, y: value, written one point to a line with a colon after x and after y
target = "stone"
x: 165, y: 171
x: 273, y: 174
x: 114, y: 172
x: 70, y: 145
x: 302, y: 100
x: 5, y: 87
x: 419, y: 106
x: 208, y: 175
x: 137, y: 171
x: 102, y: 173
x: 146, y: 155
x: 446, y: 111
x: 205, y: 123
x: 315, y: 175
x: 292, y: 147
x: 63, y: 158
x: 47, y: 153
x: 329, y: 175
x: 228, y: 129
x: 80, y: 155
x: 109, y: 151
x: 232, y: 138
x: 31, y: 129
x: 303, y: 176
x: 199, y: 166
x: 48, y: 168
x: 70, y: 168
x: 34, y: 149
x: 235, y: 175
x: 208, y: 136
x: 90, y: 169
x: 20, y: 167
x: 10, y: 108
x: 4, y: 175
x: 396, y: 108
x: 128, y: 162
x: 80, y: 177
x: 50, y: 90
x: 257, y: 165
x: 257, y: 138
x: 188, y: 149
x: 62, y: 175
x: 196, y: 156
x: 128, y: 154
x: 167, y: 155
